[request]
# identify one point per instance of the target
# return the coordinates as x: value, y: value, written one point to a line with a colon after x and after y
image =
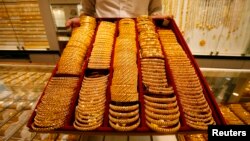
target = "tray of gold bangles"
x: 133, y: 76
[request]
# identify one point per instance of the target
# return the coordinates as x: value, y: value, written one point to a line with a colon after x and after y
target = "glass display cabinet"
x: 22, y: 85
x: 213, y: 27
x: 232, y: 92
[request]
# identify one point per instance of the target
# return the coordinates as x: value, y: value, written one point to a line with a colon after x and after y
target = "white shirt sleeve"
x: 88, y: 7
x: 155, y: 7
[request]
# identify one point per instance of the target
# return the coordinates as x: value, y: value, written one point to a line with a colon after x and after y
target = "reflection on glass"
x: 60, y: 17
x: 229, y: 86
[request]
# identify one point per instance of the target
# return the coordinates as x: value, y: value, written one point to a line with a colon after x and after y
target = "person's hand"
x: 74, y: 22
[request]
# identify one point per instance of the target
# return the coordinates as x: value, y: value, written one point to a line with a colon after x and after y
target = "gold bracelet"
x: 163, y: 130
x: 124, y: 108
x: 33, y: 126
x: 86, y: 128
x: 87, y: 116
x: 164, y: 117
x: 162, y: 122
x: 124, y: 120
x: 196, y: 115
x: 195, y: 106
x: 161, y: 106
x: 162, y: 111
x: 91, y: 124
x: 197, y: 110
x: 124, y: 128
x: 119, y: 114
x: 45, y: 124
x: 198, y: 119
x: 159, y: 100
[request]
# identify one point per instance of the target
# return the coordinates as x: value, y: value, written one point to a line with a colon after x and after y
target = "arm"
x: 155, y: 7
x: 88, y: 7
x: 155, y: 10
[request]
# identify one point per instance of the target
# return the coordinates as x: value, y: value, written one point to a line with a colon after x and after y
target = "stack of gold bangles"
x: 73, y: 55
x: 162, y: 112
x: 239, y: 111
x: 102, y: 47
x: 122, y: 116
x: 52, y: 111
x: 246, y: 106
x: 229, y: 116
x: 91, y: 103
x: 196, y: 109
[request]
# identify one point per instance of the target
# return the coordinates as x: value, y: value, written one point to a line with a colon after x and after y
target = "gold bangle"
x: 90, y: 105
x: 45, y: 124
x: 160, y: 92
x: 211, y: 122
x: 90, y: 120
x: 126, y: 128
x: 52, y: 117
x: 195, y: 106
x: 162, y: 111
x: 161, y: 106
x: 193, y: 103
x: 160, y: 100
x: 198, y: 119
x: 124, y: 108
x: 196, y: 115
x: 91, y: 100
x: 202, y: 98
x: 33, y: 126
x: 197, y: 110
x: 119, y: 114
x: 190, y: 96
x: 86, y: 116
x: 162, y: 122
x: 164, y: 117
x: 199, y: 127
x: 163, y: 130
x: 86, y: 128
x: 92, y: 96
x: 88, y: 110
x: 91, y: 124
x: 124, y: 120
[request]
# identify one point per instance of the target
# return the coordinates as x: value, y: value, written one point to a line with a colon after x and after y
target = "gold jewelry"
x: 124, y: 128
x: 162, y: 129
x: 121, y: 114
x: 123, y: 120
x: 124, y: 108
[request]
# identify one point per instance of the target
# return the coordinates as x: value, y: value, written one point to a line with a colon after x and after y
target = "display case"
x: 231, y: 90
x: 213, y: 27
x: 61, y: 12
x: 23, y: 26
x: 18, y: 98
